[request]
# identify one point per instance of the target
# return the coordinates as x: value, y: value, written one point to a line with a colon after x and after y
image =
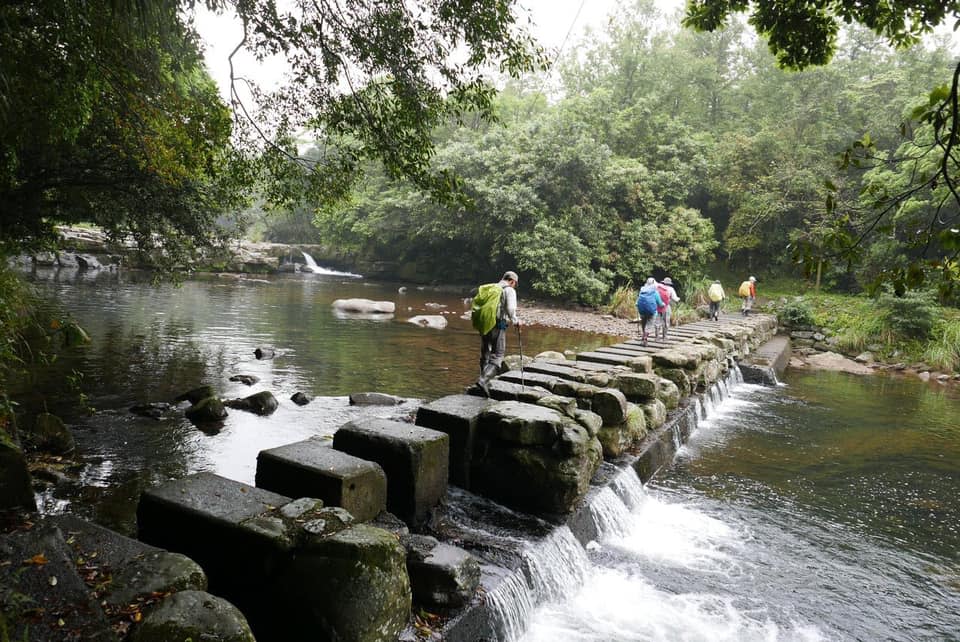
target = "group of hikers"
x: 494, y: 309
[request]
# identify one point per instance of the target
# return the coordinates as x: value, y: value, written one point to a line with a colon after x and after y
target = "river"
x: 151, y: 343
x: 823, y: 509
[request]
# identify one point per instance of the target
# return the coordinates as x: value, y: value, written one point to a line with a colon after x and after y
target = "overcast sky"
x: 552, y: 21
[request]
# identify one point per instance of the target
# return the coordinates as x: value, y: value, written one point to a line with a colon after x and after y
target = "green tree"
x: 805, y: 34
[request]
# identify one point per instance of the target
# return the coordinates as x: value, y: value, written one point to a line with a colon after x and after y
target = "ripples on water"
x: 777, y: 524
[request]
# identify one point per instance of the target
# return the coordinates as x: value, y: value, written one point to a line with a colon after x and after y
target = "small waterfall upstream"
x: 311, y: 266
x: 557, y: 565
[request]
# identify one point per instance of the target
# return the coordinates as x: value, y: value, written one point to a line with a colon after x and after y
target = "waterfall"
x: 552, y: 567
x: 557, y: 566
x: 311, y: 266
x: 610, y: 514
x: 310, y: 262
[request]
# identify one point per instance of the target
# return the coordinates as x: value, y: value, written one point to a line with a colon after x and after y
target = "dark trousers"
x: 493, y: 347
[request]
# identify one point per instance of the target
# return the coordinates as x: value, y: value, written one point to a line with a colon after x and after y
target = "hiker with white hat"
x: 747, y: 293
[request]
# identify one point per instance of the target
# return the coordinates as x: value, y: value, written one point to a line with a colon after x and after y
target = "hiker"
x: 647, y: 303
x: 492, y: 308
x: 716, y: 295
x: 748, y: 292
x: 669, y: 297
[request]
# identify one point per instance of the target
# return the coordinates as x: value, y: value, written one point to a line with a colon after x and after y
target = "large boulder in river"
x: 205, y: 411
x: 364, y: 306
x: 532, y: 458
x: 261, y: 403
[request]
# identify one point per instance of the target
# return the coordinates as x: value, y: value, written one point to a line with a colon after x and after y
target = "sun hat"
x: 753, y: 278
x: 511, y: 276
x: 667, y: 281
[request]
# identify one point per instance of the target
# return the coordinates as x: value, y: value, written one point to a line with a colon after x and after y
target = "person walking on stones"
x: 716, y: 295
x: 748, y: 292
x: 648, y: 301
x: 493, y: 310
x: 669, y: 296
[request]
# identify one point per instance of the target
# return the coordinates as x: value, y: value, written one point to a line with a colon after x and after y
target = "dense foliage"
x: 107, y: 114
x: 664, y: 147
x: 913, y: 198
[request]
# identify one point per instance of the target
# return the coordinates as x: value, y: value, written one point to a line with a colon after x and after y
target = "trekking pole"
x: 520, y: 344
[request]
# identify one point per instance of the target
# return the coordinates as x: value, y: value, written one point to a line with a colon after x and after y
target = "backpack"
x: 715, y: 292
x: 745, y: 288
x: 664, y: 295
x: 647, y: 301
x: 483, y: 310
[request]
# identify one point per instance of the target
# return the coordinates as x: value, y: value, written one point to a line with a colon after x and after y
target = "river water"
x: 823, y: 509
x: 152, y: 343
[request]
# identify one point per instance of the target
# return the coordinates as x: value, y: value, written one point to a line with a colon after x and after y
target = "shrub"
x: 796, y: 312
x: 910, y: 316
x: 943, y: 351
x: 623, y: 303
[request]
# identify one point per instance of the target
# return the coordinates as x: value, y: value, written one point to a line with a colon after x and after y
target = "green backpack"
x: 483, y: 312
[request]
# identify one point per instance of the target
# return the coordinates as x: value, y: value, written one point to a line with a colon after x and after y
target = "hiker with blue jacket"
x: 647, y: 303
x: 493, y: 310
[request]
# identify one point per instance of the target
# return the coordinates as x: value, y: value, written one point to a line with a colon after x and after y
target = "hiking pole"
x: 520, y: 345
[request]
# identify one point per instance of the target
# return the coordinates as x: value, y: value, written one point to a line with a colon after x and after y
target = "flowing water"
x: 152, y: 343
x: 823, y: 509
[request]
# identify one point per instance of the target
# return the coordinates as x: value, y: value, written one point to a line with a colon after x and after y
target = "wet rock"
x: 193, y: 615
x: 301, y: 398
x: 196, y: 394
x: 153, y: 409
x: 532, y: 458
x: 374, y: 399
x: 262, y: 403
x: 441, y: 575
x: 638, y: 386
x: 669, y: 394
x: 264, y: 353
x: 206, y: 411
x: 349, y: 586
x: 247, y: 380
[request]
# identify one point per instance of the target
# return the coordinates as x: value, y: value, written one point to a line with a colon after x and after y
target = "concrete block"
x: 312, y: 468
x: 415, y: 459
x: 455, y: 415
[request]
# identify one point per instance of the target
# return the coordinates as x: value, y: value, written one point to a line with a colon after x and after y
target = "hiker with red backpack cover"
x: 669, y: 296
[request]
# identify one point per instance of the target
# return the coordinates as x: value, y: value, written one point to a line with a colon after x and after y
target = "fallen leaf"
x: 37, y: 560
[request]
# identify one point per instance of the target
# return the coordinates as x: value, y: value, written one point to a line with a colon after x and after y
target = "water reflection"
x: 153, y: 342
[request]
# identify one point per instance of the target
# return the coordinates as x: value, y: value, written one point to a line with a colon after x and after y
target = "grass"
x: 858, y: 323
